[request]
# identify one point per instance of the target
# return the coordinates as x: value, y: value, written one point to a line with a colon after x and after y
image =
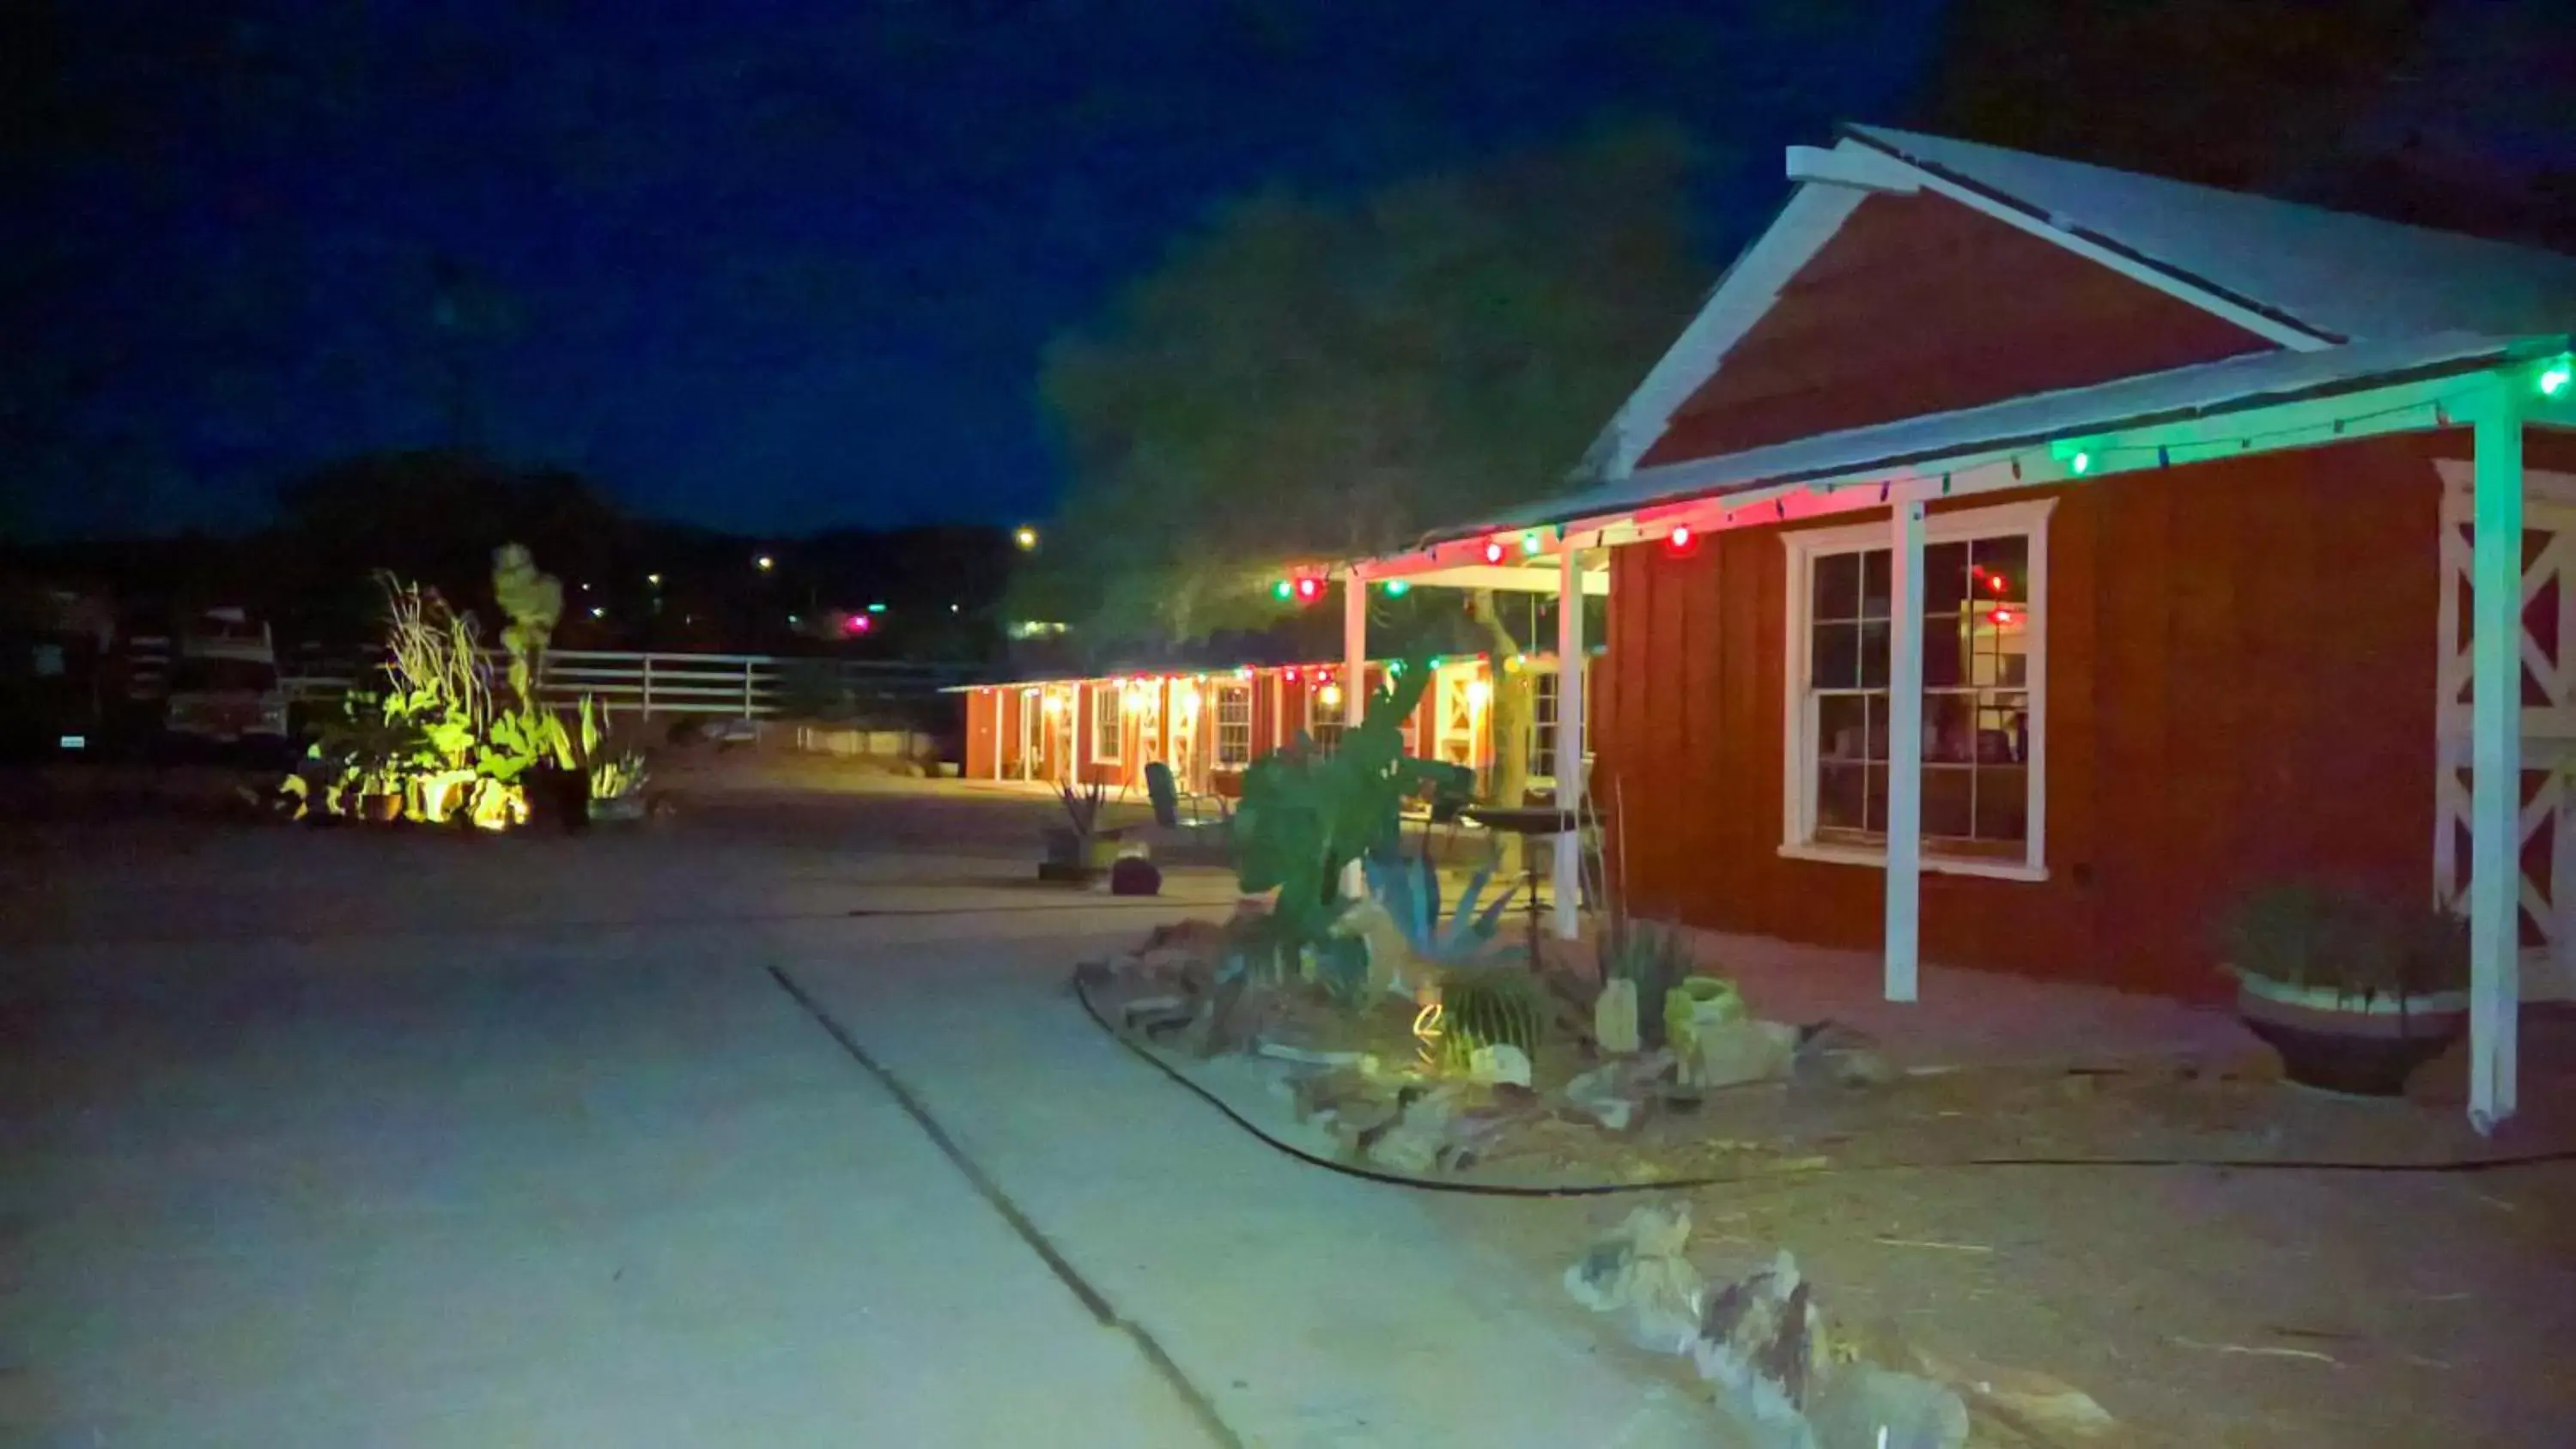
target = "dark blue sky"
x: 761, y: 265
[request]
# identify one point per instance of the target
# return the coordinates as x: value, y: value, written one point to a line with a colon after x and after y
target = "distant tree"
x: 1317, y: 378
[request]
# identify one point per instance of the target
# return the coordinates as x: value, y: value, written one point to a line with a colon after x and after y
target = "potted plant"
x: 1074, y: 848
x: 2355, y: 993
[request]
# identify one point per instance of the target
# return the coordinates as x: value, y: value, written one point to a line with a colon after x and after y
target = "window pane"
x: 1873, y: 655
x: 1944, y: 664
x: 1839, y: 793
x: 2003, y: 729
x: 2003, y: 567
x: 1877, y: 725
x: 1949, y: 728
x: 1878, y: 797
x: 1837, y: 588
x: 1835, y: 663
x: 2002, y: 804
x: 1945, y: 579
x: 1875, y: 586
x: 1948, y: 802
x: 1842, y: 726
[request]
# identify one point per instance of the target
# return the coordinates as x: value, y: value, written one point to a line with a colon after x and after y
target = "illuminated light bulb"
x: 764, y: 563
x: 1331, y: 695
x: 1479, y: 691
x: 859, y: 624
x: 654, y: 579
x: 876, y: 608
x: 1398, y: 588
x: 2555, y: 380
x: 1680, y: 536
x: 1292, y: 673
x: 1515, y: 662
x: 1493, y: 550
x: 1529, y: 542
x: 1051, y: 704
x: 1282, y: 589
x: 2082, y: 463
x: 1243, y: 671
x: 1025, y: 537
x: 1309, y: 587
x: 597, y: 612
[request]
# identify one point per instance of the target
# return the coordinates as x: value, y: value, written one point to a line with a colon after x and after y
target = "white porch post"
x: 2495, y: 754
x: 1904, y: 749
x: 1354, y: 689
x: 1354, y: 648
x: 1569, y: 736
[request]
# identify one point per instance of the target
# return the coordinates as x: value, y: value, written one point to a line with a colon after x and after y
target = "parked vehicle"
x: 224, y: 684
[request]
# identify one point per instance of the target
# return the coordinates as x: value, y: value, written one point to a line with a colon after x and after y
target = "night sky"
x: 759, y: 265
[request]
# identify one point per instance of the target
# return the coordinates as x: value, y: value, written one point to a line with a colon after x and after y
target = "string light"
x: 1530, y: 544
x: 2555, y: 378
x: 1309, y: 588
x: 1398, y: 588
x: 1282, y: 590
x: 1493, y: 550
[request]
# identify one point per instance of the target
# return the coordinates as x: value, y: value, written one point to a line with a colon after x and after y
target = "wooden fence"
x: 730, y: 686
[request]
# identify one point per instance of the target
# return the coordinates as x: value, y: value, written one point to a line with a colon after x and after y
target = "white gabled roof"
x: 1931, y: 443
x: 2338, y: 276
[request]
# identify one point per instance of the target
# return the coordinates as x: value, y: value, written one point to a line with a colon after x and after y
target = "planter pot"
x: 381, y: 809
x: 2341, y: 1044
x: 558, y: 799
x: 617, y: 807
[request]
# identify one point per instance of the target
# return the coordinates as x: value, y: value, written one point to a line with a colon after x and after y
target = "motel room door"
x: 1033, y: 724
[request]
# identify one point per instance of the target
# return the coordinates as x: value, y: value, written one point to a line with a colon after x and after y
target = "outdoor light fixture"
x: 858, y: 623
x: 1530, y: 544
x: 1479, y: 691
x: 1679, y: 540
x: 1282, y: 590
x: 1025, y: 537
x: 1292, y: 674
x: 1051, y: 703
x: 876, y: 608
x: 2081, y: 462
x: 764, y: 563
x: 1243, y: 671
x: 1398, y: 588
x: 1493, y: 550
x: 2555, y: 378
x: 654, y: 579
x: 597, y: 612
x: 1309, y: 588
x: 1331, y: 695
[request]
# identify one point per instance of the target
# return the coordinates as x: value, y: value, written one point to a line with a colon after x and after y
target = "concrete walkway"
x: 332, y: 1140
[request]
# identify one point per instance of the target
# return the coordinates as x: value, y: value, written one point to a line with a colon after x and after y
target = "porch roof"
x: 1921, y: 447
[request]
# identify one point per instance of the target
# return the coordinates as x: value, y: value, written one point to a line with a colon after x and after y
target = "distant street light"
x: 1026, y: 537
x: 764, y: 563
x: 597, y: 612
x: 654, y: 579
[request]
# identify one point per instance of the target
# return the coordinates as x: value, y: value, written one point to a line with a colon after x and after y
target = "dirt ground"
x: 2201, y: 1307
x: 2352, y: 1299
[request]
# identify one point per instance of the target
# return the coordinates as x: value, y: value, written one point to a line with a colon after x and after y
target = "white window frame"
x: 2028, y: 518
x: 1322, y: 718
x: 1109, y: 737
x: 1235, y: 692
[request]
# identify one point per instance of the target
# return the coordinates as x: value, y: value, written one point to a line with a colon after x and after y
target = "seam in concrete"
x: 1082, y: 1289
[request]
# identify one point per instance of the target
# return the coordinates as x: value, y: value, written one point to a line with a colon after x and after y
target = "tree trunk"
x: 1507, y: 714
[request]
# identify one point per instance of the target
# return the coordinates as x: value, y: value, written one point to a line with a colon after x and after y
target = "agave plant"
x: 1409, y: 888
x: 1493, y: 1006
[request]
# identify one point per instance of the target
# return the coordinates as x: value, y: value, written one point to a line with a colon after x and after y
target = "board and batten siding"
x: 2240, y: 688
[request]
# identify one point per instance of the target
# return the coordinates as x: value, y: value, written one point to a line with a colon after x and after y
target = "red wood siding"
x: 983, y: 710
x: 1920, y: 305
x: 2240, y: 686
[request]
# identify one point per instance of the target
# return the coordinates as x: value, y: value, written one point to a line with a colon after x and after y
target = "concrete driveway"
x: 772, y: 1126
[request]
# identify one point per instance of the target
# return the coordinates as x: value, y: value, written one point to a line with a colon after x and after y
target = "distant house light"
x: 764, y: 563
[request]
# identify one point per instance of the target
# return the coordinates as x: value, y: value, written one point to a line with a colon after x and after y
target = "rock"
x: 1228, y: 1016
x: 1614, y: 1019
x: 1638, y: 1273
x: 1732, y: 1053
x: 1761, y: 1341
x: 1615, y: 1094
x: 2030, y: 1404
x: 1866, y: 1407
x: 1154, y: 1014
x: 1285, y: 1052
x: 1501, y: 1063
x: 1831, y: 1054
x: 1419, y: 1136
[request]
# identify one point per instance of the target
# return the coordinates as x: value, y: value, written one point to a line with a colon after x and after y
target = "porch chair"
x: 1174, y: 810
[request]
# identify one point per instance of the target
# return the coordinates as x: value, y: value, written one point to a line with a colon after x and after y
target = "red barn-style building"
x: 2015, y: 561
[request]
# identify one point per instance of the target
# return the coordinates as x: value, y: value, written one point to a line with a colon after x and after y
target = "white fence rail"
x: 730, y: 686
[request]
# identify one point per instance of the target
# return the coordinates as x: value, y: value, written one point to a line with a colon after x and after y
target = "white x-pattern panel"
x: 2548, y: 893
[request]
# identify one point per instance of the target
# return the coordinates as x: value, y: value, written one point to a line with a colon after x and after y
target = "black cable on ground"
x: 1677, y: 1184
